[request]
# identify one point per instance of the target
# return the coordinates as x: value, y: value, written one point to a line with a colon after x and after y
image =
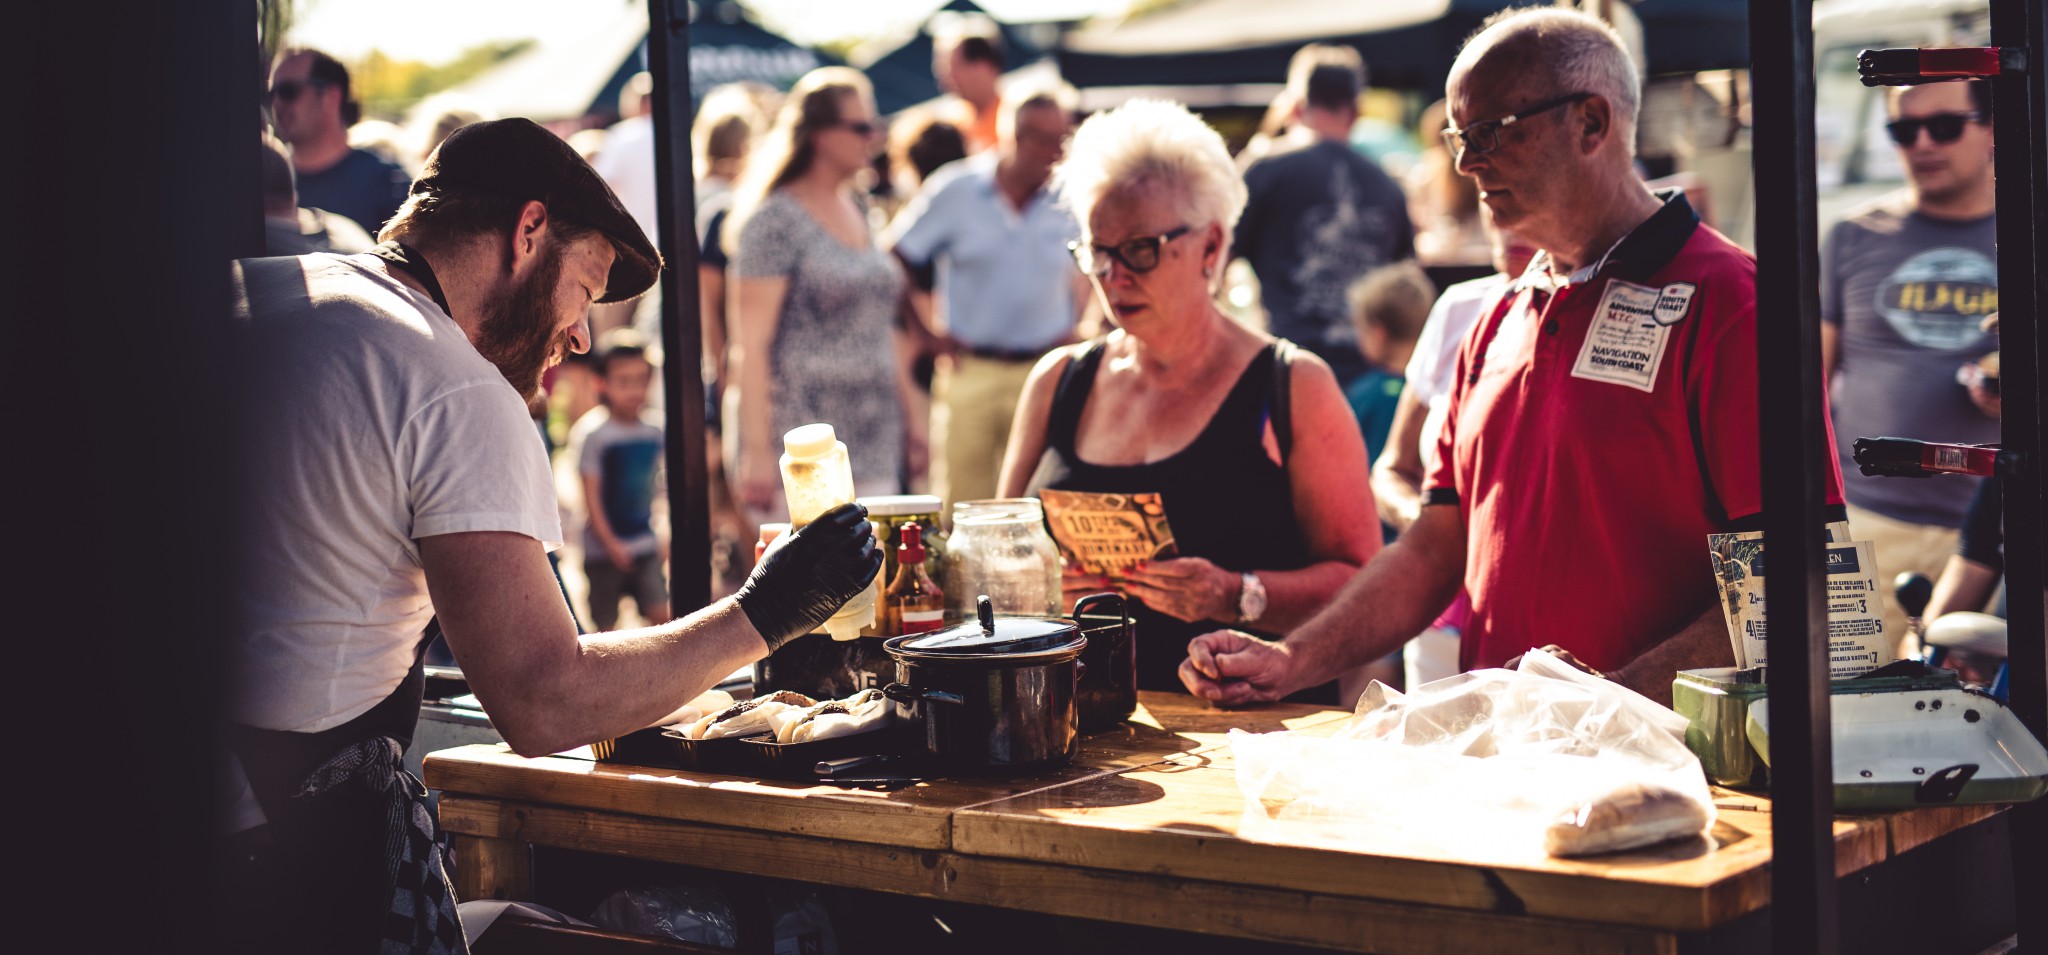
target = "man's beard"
x: 518, y: 330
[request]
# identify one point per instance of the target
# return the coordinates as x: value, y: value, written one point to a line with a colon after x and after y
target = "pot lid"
x: 990, y: 635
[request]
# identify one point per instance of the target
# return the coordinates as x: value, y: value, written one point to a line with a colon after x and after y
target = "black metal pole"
x: 2020, y: 115
x: 1793, y: 434
x: 682, y: 348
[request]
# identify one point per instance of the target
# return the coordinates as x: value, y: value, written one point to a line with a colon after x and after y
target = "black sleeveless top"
x: 1225, y: 498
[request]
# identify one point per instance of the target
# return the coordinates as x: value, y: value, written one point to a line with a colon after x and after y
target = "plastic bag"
x: 1491, y: 763
x: 686, y: 913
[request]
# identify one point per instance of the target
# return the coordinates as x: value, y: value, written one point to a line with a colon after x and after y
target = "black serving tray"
x: 639, y: 748
x: 763, y: 757
x: 722, y: 754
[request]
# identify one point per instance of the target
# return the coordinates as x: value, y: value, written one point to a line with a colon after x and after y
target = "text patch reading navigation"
x: 1625, y: 345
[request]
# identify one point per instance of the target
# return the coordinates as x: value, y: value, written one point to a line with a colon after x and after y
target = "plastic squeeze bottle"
x: 817, y: 476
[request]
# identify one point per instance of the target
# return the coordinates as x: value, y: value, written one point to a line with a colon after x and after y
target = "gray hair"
x: 1156, y: 141
x: 1582, y: 53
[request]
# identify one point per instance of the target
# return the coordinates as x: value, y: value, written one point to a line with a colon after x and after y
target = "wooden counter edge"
x: 1292, y: 917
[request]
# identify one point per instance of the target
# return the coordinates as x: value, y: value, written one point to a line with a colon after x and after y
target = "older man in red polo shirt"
x: 1604, y: 420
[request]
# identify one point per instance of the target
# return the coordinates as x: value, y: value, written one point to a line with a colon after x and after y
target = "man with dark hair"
x: 396, y: 477
x: 1906, y: 283
x: 968, y: 62
x: 1319, y: 215
x: 312, y: 107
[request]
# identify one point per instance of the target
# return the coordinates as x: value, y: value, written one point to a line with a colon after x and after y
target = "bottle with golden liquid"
x: 912, y: 604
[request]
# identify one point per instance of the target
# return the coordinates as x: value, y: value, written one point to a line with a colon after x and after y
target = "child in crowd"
x: 618, y: 451
x: 1388, y: 307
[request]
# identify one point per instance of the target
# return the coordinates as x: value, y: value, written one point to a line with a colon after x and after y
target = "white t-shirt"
x: 626, y: 163
x: 372, y: 422
x: 1435, y: 361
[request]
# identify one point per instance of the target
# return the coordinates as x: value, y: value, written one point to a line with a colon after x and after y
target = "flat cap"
x: 519, y: 159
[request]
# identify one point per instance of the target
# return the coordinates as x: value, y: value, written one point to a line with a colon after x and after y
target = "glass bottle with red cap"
x: 912, y: 604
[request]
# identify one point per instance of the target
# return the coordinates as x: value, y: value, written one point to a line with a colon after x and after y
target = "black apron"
x: 352, y: 857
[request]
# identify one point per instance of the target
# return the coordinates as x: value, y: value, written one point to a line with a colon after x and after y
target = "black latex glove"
x: 798, y: 585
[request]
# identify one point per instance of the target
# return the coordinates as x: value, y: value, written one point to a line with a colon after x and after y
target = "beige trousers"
x: 973, y: 401
x: 1901, y: 547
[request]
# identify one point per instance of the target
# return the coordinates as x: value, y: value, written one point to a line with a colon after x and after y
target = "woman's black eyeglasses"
x: 1139, y: 255
x: 861, y: 127
x: 1944, y: 127
x: 1484, y: 136
x: 290, y: 89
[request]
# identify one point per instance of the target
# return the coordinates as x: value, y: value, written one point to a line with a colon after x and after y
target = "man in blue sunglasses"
x: 1906, y: 283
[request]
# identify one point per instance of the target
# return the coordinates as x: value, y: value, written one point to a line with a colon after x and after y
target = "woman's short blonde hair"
x: 1154, y: 141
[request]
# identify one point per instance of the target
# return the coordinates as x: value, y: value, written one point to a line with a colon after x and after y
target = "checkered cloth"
x: 422, y: 917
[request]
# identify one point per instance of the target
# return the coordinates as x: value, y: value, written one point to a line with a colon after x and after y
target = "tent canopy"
x: 568, y: 77
x: 1407, y: 44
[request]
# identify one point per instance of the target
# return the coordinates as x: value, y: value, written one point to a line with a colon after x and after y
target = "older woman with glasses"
x: 814, y: 299
x: 1246, y: 438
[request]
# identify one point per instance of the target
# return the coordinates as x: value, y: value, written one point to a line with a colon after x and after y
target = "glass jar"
x: 1000, y: 548
x: 889, y: 512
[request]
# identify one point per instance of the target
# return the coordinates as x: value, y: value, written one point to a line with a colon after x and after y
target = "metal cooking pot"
x: 997, y: 695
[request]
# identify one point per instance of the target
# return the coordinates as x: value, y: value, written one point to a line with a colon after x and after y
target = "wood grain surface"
x: 1198, y: 905
x: 1143, y: 828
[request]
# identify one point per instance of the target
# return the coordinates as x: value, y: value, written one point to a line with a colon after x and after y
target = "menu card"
x: 1856, y: 641
x: 1099, y: 533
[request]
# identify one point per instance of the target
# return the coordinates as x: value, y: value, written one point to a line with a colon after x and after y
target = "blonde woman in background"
x: 813, y: 299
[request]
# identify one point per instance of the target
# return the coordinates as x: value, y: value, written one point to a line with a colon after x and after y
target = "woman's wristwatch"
x: 1251, y: 598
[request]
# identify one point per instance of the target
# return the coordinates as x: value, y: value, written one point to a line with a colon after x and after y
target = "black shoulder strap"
x: 1070, y: 396
x: 1281, y: 401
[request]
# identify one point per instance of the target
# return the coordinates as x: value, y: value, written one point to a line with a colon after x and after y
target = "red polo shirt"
x: 1601, y: 426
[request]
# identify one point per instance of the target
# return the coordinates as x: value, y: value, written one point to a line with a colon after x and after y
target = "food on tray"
x: 748, y: 717
x: 706, y: 703
x: 1625, y: 817
x: 859, y: 713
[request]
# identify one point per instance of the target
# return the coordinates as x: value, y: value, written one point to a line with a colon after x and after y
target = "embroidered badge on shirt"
x: 1674, y: 302
x: 1625, y: 345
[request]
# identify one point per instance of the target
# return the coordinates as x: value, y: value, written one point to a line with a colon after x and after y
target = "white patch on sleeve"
x: 1625, y: 345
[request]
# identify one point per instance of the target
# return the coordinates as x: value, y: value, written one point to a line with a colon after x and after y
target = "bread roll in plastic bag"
x: 1493, y: 764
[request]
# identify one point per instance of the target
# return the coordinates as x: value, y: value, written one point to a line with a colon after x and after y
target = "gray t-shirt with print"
x: 1909, y: 294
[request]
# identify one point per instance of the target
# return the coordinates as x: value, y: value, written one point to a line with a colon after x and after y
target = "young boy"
x: 618, y: 453
x: 1388, y: 307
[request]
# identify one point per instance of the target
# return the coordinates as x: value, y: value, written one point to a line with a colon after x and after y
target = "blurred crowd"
x: 901, y: 277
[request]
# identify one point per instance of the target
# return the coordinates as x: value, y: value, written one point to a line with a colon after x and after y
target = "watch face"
x: 1251, y: 602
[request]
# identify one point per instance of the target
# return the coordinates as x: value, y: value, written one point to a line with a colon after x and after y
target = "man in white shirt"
x: 395, y: 477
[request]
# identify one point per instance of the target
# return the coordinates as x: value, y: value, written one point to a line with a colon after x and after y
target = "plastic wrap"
x: 1497, y: 763
x: 686, y: 913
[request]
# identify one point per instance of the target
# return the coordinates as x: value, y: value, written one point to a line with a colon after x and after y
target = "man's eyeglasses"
x: 1944, y: 127
x: 1483, y: 137
x: 1138, y: 255
x: 290, y: 89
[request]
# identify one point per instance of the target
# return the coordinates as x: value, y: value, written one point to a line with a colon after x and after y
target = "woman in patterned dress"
x: 814, y: 299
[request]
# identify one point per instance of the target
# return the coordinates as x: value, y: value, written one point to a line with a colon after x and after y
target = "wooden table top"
x: 1158, y: 799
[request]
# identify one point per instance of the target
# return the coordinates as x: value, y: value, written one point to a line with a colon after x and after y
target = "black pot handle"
x: 905, y: 693
x: 1117, y: 608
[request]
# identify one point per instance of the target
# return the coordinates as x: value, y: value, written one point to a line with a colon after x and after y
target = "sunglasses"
x: 861, y: 127
x: 1944, y: 127
x: 1483, y: 137
x: 290, y: 89
x: 1138, y: 255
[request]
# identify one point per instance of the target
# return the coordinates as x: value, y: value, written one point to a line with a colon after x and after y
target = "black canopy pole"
x: 689, y: 507
x: 2020, y: 117
x: 1794, y: 453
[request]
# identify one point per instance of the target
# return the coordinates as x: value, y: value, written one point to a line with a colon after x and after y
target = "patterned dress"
x: 834, y: 357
